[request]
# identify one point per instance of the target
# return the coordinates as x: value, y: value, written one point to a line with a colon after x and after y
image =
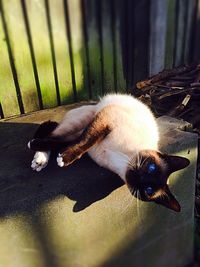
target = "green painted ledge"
x: 84, y: 216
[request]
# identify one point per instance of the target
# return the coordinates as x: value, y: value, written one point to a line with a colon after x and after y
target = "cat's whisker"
x: 123, y: 155
x: 135, y: 193
x: 132, y: 161
x: 133, y: 167
x: 144, y: 161
x: 132, y: 190
x: 164, y: 195
x: 125, y: 159
x: 138, y: 204
x: 139, y: 195
x: 139, y: 160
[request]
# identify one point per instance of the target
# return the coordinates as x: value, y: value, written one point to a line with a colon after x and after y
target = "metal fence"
x: 55, y: 52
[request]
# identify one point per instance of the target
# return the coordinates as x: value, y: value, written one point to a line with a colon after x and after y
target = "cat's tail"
x: 42, y: 139
x: 45, y: 129
x: 46, y: 144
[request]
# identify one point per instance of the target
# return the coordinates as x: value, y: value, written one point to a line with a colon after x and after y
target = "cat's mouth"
x: 143, y: 195
x: 136, y: 192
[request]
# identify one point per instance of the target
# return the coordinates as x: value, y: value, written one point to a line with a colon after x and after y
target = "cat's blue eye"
x: 149, y: 190
x: 151, y: 167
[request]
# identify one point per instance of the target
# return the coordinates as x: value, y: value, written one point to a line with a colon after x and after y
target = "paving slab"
x: 84, y: 216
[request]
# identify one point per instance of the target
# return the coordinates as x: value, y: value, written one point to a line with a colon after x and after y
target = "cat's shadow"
x: 24, y: 190
x: 85, y: 182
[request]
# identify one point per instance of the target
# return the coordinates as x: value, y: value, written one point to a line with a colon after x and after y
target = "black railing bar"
x: 148, y: 40
x: 130, y: 42
x: 100, y: 33
x: 53, y: 56
x: 69, y: 38
x: 193, y: 31
x: 1, y: 112
x: 32, y: 53
x: 183, y: 54
x: 12, y: 62
x: 113, y: 32
x: 175, y: 32
x: 85, y: 36
x: 126, y: 23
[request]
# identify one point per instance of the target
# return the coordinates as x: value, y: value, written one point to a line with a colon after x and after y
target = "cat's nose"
x: 29, y: 143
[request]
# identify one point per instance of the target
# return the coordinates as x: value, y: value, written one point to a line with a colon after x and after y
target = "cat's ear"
x: 175, y: 163
x: 168, y: 200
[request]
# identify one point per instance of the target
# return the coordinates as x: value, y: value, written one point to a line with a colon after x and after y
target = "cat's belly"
x: 117, y: 148
x: 131, y: 132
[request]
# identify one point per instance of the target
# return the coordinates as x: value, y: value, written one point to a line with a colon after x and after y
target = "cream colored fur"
x: 133, y: 129
x: 74, y: 122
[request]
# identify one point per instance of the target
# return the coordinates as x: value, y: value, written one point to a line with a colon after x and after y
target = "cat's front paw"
x: 67, y: 157
x: 60, y: 160
x: 40, y: 161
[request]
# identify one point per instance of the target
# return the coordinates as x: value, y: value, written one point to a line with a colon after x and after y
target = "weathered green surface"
x: 83, y: 215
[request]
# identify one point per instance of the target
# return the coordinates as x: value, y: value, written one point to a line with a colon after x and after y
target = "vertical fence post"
x: 158, y: 26
x: 196, y: 45
x: 1, y: 112
x: 181, y: 22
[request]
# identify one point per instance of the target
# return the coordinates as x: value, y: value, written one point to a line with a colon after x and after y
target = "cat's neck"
x: 121, y: 162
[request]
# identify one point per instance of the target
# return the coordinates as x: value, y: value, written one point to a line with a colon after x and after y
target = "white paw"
x: 40, y: 161
x: 60, y: 160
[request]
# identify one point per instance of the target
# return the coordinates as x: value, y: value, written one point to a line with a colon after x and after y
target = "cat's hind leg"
x: 41, y: 158
x: 96, y: 131
x: 74, y: 123
x: 52, y: 136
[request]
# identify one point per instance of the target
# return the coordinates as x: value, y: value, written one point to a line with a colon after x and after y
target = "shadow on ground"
x: 22, y: 190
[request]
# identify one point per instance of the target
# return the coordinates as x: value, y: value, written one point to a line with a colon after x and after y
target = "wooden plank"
x: 8, y: 95
x: 94, y: 55
x: 85, y: 38
x: 126, y: 37
x: 61, y: 51
x: 141, y: 40
x: 158, y: 26
x: 78, y: 49
x: 121, y: 82
x: 196, y: 50
x: 170, y: 34
x: 182, y: 8
x: 108, y: 75
x: 191, y: 12
x: 40, y: 38
x: 52, y: 46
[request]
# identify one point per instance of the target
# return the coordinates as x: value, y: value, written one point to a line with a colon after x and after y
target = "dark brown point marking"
x: 96, y: 131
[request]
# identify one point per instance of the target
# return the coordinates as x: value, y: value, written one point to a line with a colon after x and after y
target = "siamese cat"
x: 119, y: 133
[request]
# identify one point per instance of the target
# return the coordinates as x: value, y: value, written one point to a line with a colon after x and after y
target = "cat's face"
x: 147, y: 176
